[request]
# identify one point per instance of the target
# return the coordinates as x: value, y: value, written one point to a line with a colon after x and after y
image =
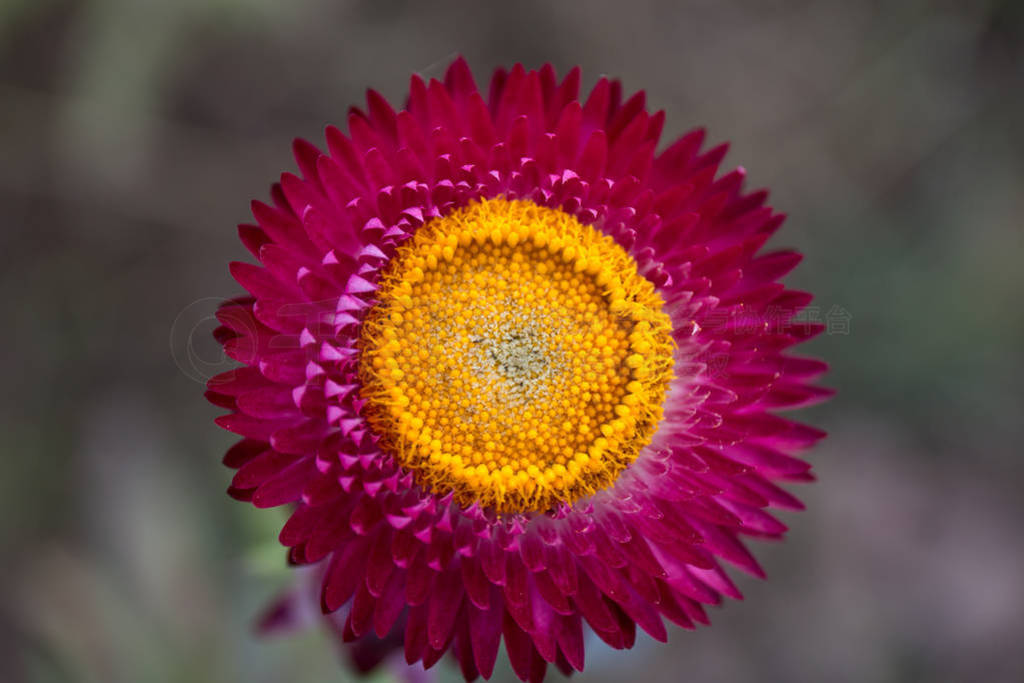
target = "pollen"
x: 515, y: 357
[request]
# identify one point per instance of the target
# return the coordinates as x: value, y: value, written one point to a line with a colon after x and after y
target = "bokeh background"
x: 134, y: 132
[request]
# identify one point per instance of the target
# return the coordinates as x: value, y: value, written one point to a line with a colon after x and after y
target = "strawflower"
x: 515, y: 370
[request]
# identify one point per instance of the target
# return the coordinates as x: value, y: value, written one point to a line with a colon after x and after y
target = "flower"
x: 516, y: 371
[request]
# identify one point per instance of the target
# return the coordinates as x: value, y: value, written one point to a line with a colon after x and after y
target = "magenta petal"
x: 360, y: 616
x: 492, y: 560
x: 390, y: 604
x: 478, y: 588
x: 519, y: 648
x: 485, y: 630
x: 444, y: 605
x: 379, y: 565
x: 344, y: 575
x: 462, y: 647
x: 420, y: 581
x: 531, y: 549
x: 591, y: 604
x: 416, y: 634
x: 544, y: 624
x: 569, y: 634
x: 284, y: 487
x: 551, y: 593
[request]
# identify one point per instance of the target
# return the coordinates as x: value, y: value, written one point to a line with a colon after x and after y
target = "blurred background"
x: 133, y: 134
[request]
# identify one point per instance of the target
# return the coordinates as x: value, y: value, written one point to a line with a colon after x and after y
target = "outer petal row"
x: 401, y: 560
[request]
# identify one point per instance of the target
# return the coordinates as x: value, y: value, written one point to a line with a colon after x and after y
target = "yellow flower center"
x: 515, y: 357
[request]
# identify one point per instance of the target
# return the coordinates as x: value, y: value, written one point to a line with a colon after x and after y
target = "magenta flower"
x: 516, y: 371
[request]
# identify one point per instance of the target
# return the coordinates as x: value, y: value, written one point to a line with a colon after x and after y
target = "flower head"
x: 515, y: 370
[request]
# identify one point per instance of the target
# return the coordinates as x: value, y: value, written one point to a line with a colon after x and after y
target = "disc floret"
x: 514, y: 357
